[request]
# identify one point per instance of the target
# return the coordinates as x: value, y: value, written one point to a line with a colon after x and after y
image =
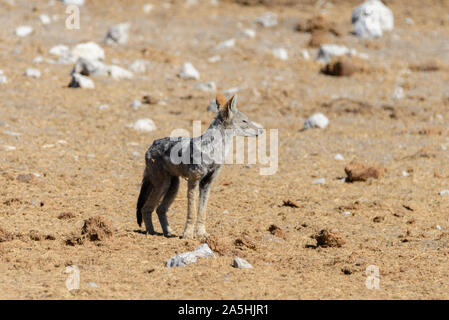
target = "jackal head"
x: 235, y: 120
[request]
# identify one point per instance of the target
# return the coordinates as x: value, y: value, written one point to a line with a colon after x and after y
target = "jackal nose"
x: 259, y: 128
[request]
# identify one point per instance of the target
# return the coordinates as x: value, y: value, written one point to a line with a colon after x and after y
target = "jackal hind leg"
x: 189, y: 229
x: 159, y: 189
x: 168, y: 199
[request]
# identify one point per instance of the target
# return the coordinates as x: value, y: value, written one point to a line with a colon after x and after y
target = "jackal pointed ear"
x: 220, y: 100
x: 229, y: 108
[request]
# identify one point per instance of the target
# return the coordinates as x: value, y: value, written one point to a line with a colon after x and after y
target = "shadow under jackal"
x: 197, y: 159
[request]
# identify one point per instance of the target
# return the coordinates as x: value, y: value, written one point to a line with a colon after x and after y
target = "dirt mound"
x: 329, y: 239
x: 358, y: 171
x: 245, y: 242
x: 94, y: 229
x: 277, y: 231
x: 264, y: 2
x: 66, y: 215
x: 318, y: 23
x: 339, y: 67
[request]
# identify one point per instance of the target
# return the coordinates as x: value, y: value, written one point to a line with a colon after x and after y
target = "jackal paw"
x: 169, y: 234
x: 150, y: 232
x: 188, y: 233
x: 201, y: 233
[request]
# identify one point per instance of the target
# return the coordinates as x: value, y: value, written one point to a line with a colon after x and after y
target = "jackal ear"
x: 220, y: 100
x: 230, y: 108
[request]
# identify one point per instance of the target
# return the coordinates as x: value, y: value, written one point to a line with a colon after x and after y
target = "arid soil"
x: 74, y: 161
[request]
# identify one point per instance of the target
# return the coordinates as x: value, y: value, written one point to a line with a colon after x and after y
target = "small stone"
x: 88, y: 67
x: 438, y: 227
x: 280, y: 53
x: 241, y: 263
x: 45, y: 19
x: 92, y: 284
x: 339, y: 157
x: 139, y: 66
x: 225, y: 44
x: 206, y: 86
x: 444, y: 193
x: 214, y: 59
x: 318, y: 120
x: 371, y: 18
x: 136, y: 104
x: 267, y: 20
x: 24, y: 31
x: 119, y: 73
x: 405, y: 174
x: 319, y: 181
x: 73, y: 2
x: 26, y: 178
x: 80, y: 81
x: 59, y: 50
x: 328, y: 51
x: 305, y: 54
x: 88, y: 50
x: 183, y: 259
x: 33, y: 73
x: 145, y: 124
x: 250, y: 33
x: 118, y: 34
x: 3, y: 78
x: 329, y: 239
x: 188, y: 71
x: 147, y: 8
x: 398, y: 93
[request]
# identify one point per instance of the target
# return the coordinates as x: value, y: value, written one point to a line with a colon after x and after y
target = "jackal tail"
x: 144, y: 192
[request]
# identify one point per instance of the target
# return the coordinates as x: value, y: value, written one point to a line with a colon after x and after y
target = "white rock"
x: 2, y: 78
x: 59, y: 50
x: 405, y: 174
x: 305, y: 54
x: 74, y: 2
x: 38, y: 59
x: 92, y: 284
x: 371, y: 18
x: 139, y: 66
x: 118, y: 73
x: 250, y: 33
x: 88, y: 67
x: 206, y: 86
x: 444, y: 193
x: 339, y: 157
x: 89, y: 50
x: 147, y: 8
x: 188, y: 71
x: 327, y: 51
x: 214, y: 59
x: 80, y: 81
x: 144, y: 125
x: 118, y: 34
x: 183, y: 259
x: 319, y: 181
x: 136, y: 104
x: 241, y: 263
x: 346, y: 213
x: 398, y: 93
x: 45, y: 19
x: 103, y: 107
x: 268, y: 19
x: 280, y: 53
x: 24, y: 31
x: 225, y: 44
x: 409, y: 21
x: 9, y: 148
x: 33, y: 73
x: 318, y: 120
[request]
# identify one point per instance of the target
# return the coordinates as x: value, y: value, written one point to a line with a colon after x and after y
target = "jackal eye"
x: 245, y: 121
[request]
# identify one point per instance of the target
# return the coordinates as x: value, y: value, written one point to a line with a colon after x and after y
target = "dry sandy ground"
x: 398, y: 223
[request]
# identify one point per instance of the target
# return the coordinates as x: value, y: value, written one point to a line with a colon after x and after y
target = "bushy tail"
x: 144, y: 191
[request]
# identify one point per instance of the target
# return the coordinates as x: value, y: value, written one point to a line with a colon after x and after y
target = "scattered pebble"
x: 444, y: 193
x: 92, y: 284
x: 119, y: 73
x: 188, y: 71
x: 206, y: 86
x: 398, y: 93
x: 339, y: 157
x: 250, y: 33
x: 24, y: 31
x: 80, y: 81
x: 33, y: 73
x: 318, y: 120
x: 45, y: 19
x: 438, y: 227
x: 319, y: 181
x: 144, y: 125
x: 87, y: 67
x: 136, y: 104
x: 268, y: 19
x: 147, y: 8
x: 183, y: 259
x: 241, y: 263
x: 59, y: 50
x: 371, y: 18
x: 280, y: 53
x: 74, y: 2
x: 405, y: 174
x: 226, y: 44
x: 328, y: 51
x: 139, y: 66
x: 214, y: 59
x: 3, y: 78
x: 305, y: 54
x: 118, y: 34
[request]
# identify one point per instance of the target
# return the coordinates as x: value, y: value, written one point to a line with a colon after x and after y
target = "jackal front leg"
x: 190, y: 224
x: 201, y: 218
